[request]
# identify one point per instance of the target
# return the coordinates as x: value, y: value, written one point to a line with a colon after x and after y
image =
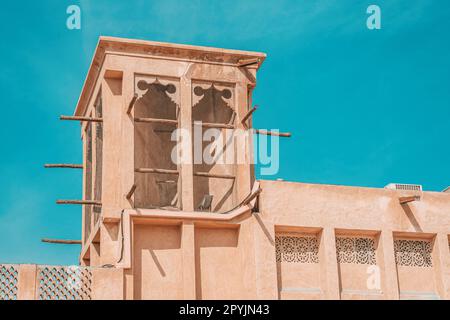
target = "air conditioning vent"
x: 405, y: 187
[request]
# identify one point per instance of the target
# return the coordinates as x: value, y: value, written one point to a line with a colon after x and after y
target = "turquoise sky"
x: 365, y: 107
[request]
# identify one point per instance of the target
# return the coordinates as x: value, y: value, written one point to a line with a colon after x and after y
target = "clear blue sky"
x: 365, y: 107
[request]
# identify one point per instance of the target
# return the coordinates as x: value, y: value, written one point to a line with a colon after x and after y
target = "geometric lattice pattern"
x: 64, y: 283
x: 413, y: 253
x: 8, y: 281
x: 297, y: 249
x: 356, y: 250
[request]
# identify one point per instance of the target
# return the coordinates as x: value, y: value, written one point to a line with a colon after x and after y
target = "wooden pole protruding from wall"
x: 198, y: 174
x: 251, y: 197
x: 273, y: 133
x: 86, y: 202
x: 132, y: 102
x: 217, y: 125
x: 213, y: 175
x: 153, y: 120
x: 153, y: 170
x: 131, y: 192
x: 248, y: 115
x: 404, y: 200
x: 58, y: 241
x: 78, y: 118
x: 248, y: 62
x: 64, y: 165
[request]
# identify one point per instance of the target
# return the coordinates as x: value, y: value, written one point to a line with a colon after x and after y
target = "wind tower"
x: 136, y: 94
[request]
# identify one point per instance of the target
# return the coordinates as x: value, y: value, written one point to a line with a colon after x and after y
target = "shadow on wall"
x: 412, y: 218
x: 157, y: 262
x: 214, y: 249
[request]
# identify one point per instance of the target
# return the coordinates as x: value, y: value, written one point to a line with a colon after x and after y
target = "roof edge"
x: 213, y: 55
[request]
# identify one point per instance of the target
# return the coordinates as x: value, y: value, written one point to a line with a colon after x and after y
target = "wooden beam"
x: 166, y: 181
x: 404, y: 200
x: 131, y: 192
x: 248, y: 115
x: 233, y: 117
x: 63, y: 165
x: 77, y: 118
x: 217, y: 125
x: 253, y: 196
x: 153, y: 120
x: 58, y: 241
x: 248, y: 62
x: 132, y: 102
x: 213, y: 175
x: 87, y: 202
x: 163, y: 130
x: 153, y: 170
x: 273, y: 133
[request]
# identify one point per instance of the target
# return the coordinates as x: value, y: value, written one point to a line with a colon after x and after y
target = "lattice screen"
x: 297, y: 249
x: 413, y: 253
x: 8, y: 281
x: 64, y: 283
x: 356, y: 250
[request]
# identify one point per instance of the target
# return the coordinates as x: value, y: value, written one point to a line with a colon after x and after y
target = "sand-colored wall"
x: 223, y: 262
x: 305, y: 242
x: 157, y: 262
x: 346, y: 212
x: 36, y: 282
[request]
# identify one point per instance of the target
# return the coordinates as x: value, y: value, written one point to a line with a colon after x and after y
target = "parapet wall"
x: 301, y: 241
x: 338, y: 242
x: 42, y: 282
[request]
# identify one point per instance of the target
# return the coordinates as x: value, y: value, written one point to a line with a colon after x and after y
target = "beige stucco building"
x: 155, y: 229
